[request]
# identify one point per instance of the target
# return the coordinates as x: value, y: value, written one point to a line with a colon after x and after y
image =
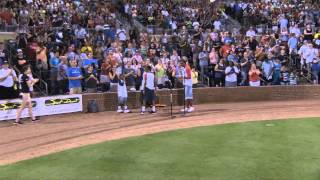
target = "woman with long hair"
x: 219, y: 73
x: 26, y: 83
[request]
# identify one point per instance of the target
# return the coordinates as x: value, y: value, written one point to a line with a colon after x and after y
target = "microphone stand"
x: 171, y: 100
x: 184, y: 94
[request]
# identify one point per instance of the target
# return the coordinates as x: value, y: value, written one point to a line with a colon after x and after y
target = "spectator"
x: 104, y: 77
x: 293, y: 44
x: 41, y: 58
x: 113, y: 79
x: 20, y: 61
x: 295, y: 30
x: 54, y: 64
x: 121, y: 34
x: 214, y: 57
x: 254, y: 76
x: 130, y: 74
x: 160, y: 74
x: 170, y: 73
x: 231, y: 75
x: 267, y: 70
x: 244, y: 68
x: 80, y: 35
x: 90, y: 61
x: 91, y: 80
x: 74, y: 76
x: 217, y: 25
x: 251, y: 32
x: 8, y: 77
x: 203, y: 63
x: 87, y: 48
x: 219, y: 75
x: 285, y: 76
x: 62, y: 76
x: 194, y: 75
x: 276, y: 72
x: 3, y: 54
x: 308, y: 33
x: 303, y: 52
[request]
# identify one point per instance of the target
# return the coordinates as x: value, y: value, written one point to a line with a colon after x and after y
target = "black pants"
x: 219, y: 81
x: 105, y: 87
x: 8, y: 93
x: 63, y: 86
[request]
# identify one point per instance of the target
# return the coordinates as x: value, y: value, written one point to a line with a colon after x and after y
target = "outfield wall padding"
x: 108, y: 101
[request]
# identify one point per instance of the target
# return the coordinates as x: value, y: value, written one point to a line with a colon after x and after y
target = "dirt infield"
x: 58, y: 133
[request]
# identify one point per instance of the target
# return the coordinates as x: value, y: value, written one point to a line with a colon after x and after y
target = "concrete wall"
x: 108, y: 101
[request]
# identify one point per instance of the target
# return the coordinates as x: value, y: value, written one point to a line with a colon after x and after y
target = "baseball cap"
x: 19, y: 50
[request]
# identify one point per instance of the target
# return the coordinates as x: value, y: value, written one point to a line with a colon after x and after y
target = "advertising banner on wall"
x: 42, y: 106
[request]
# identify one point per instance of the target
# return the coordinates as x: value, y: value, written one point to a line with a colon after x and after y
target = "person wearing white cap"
x: 7, y: 78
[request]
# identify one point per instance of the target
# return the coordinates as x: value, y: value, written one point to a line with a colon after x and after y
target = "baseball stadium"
x: 159, y: 90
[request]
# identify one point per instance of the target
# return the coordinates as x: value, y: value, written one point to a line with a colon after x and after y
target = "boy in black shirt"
x: 91, y: 80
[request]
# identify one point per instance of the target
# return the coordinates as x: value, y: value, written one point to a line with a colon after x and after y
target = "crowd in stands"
x: 81, y: 44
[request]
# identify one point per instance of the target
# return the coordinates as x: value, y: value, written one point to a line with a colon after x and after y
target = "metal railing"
x: 26, y: 29
x: 263, y: 29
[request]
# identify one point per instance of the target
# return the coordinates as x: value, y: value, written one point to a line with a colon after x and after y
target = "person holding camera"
x: 91, y: 80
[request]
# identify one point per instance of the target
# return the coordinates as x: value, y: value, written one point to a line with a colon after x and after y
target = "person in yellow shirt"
x: 87, y: 48
x: 194, y: 76
x: 317, y: 35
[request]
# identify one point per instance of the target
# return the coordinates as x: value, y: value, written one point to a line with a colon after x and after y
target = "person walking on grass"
x: 186, y: 76
x: 26, y: 84
x: 148, y: 88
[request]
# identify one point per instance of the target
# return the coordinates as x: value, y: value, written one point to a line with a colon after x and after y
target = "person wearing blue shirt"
x: 89, y: 61
x: 293, y: 44
x: 110, y: 32
x: 54, y: 63
x: 74, y: 76
x: 232, y: 57
x: 276, y: 72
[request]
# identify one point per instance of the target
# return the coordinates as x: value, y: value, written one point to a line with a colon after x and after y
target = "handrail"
x: 307, y: 77
x: 41, y: 81
x: 25, y: 29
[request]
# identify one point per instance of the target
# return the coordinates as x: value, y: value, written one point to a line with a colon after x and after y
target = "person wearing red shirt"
x: 254, y: 76
x: 187, y: 81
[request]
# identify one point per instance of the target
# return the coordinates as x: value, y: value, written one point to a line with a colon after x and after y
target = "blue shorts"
x: 188, y: 92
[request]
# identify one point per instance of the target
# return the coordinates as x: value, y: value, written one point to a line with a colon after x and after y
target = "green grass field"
x: 272, y: 150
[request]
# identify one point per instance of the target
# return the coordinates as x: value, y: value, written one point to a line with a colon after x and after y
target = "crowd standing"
x: 79, y: 46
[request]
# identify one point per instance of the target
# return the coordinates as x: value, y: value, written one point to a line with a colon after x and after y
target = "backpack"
x: 93, y: 106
